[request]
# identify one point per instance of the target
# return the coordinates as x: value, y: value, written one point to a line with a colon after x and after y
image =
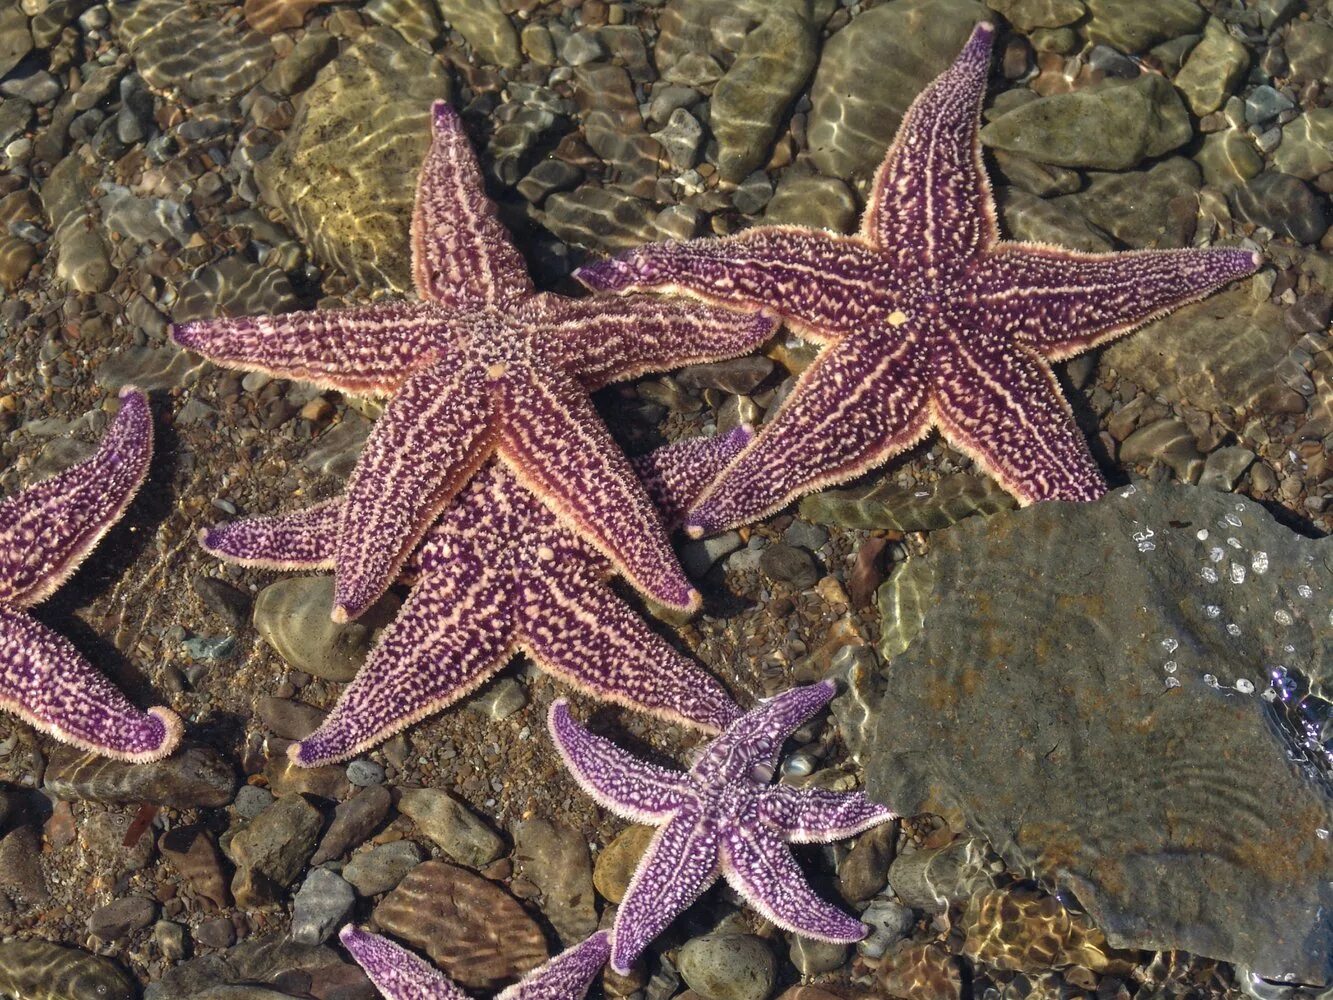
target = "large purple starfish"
x: 928, y: 320
x: 499, y: 573
x: 46, y: 531
x: 401, y: 975
x: 485, y: 365
x: 720, y: 817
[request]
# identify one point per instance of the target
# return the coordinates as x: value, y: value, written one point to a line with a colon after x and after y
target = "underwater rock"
x: 872, y: 69
x: 176, y: 46
x: 39, y: 970
x: 477, y: 933
x: 1089, y: 689
x: 885, y: 505
x: 1217, y: 355
x: 352, y: 202
x: 1113, y: 125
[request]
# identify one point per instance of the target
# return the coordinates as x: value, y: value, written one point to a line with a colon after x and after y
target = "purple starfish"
x: 401, y: 975
x: 486, y: 365
x: 720, y: 817
x: 499, y: 573
x: 46, y: 531
x: 928, y: 320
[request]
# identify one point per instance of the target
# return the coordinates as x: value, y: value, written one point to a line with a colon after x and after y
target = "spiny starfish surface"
x: 484, y: 365
x: 720, y: 817
x: 926, y: 317
x: 401, y: 975
x: 499, y: 573
x: 46, y: 531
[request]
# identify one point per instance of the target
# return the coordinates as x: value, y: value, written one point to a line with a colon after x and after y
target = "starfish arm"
x: 395, y: 971
x: 676, y: 473
x: 433, y: 436
x: 679, y: 866
x: 46, y: 683
x: 369, y: 350
x: 567, y: 976
x: 761, y: 868
x: 302, y: 539
x: 461, y: 254
x: 1003, y: 408
x: 823, y: 285
x: 558, y: 448
x: 931, y: 199
x: 576, y: 628
x: 453, y: 632
x: 818, y: 816
x: 756, y: 737
x: 631, y: 788
x: 601, y: 340
x: 1063, y: 302
x: 47, y: 530
x: 856, y: 407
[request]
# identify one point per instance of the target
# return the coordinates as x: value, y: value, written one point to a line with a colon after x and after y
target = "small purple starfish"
x: 499, y: 573
x: 720, y: 817
x: 927, y: 318
x: 46, y: 531
x: 486, y: 365
x: 401, y: 975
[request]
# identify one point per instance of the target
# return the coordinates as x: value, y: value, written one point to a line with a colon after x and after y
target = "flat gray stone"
x: 292, y: 616
x: 176, y: 46
x: 1135, y: 26
x: 1059, y: 698
x: 458, y: 831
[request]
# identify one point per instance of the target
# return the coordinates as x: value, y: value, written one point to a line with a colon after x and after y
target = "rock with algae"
x: 1086, y: 685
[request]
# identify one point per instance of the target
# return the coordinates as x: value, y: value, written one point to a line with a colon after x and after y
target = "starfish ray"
x: 401, y: 975
x: 484, y: 365
x: 720, y: 818
x: 497, y: 574
x: 46, y: 532
x: 926, y: 317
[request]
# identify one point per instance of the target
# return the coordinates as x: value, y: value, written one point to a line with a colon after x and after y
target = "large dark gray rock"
x: 1086, y: 686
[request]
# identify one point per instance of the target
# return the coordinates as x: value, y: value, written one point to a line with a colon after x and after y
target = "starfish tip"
x: 173, y: 729
x: 693, y: 531
x: 1257, y: 260
x: 444, y: 116
x: 341, y: 614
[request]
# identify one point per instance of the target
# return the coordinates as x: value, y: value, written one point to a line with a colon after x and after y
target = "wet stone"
x: 1220, y: 589
x: 1223, y: 469
x: 617, y: 861
x: 353, y: 821
x: 922, y: 970
x: 120, y: 918
x: 1217, y: 355
x: 1168, y: 441
x: 1029, y: 14
x: 1025, y: 930
x: 20, y: 866
x: 15, y: 38
x: 812, y: 958
x: 751, y: 99
x: 886, y: 505
x: 681, y: 138
x: 728, y: 967
x: 191, y: 851
x: 485, y: 27
x: 600, y: 219
x: 813, y: 201
x: 47, y: 971
x: 1309, y: 47
x: 292, y: 615
x: 796, y: 567
x: 932, y: 879
x: 458, y: 831
x: 1135, y: 207
x: 1228, y: 159
x: 292, y: 720
x: 382, y: 867
x: 363, y: 773
x: 1110, y: 126
x: 1284, y: 204
x: 16, y: 259
x: 278, y: 842
x: 352, y: 204
x: 1307, y: 145
x: 1213, y: 69
x: 470, y: 927
x: 269, y: 958
x: 889, y: 922
x: 175, y: 46
x: 871, y: 70
x: 191, y: 777
x: 554, y: 857
x: 321, y: 906
x: 1131, y: 26
x: 1054, y: 220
